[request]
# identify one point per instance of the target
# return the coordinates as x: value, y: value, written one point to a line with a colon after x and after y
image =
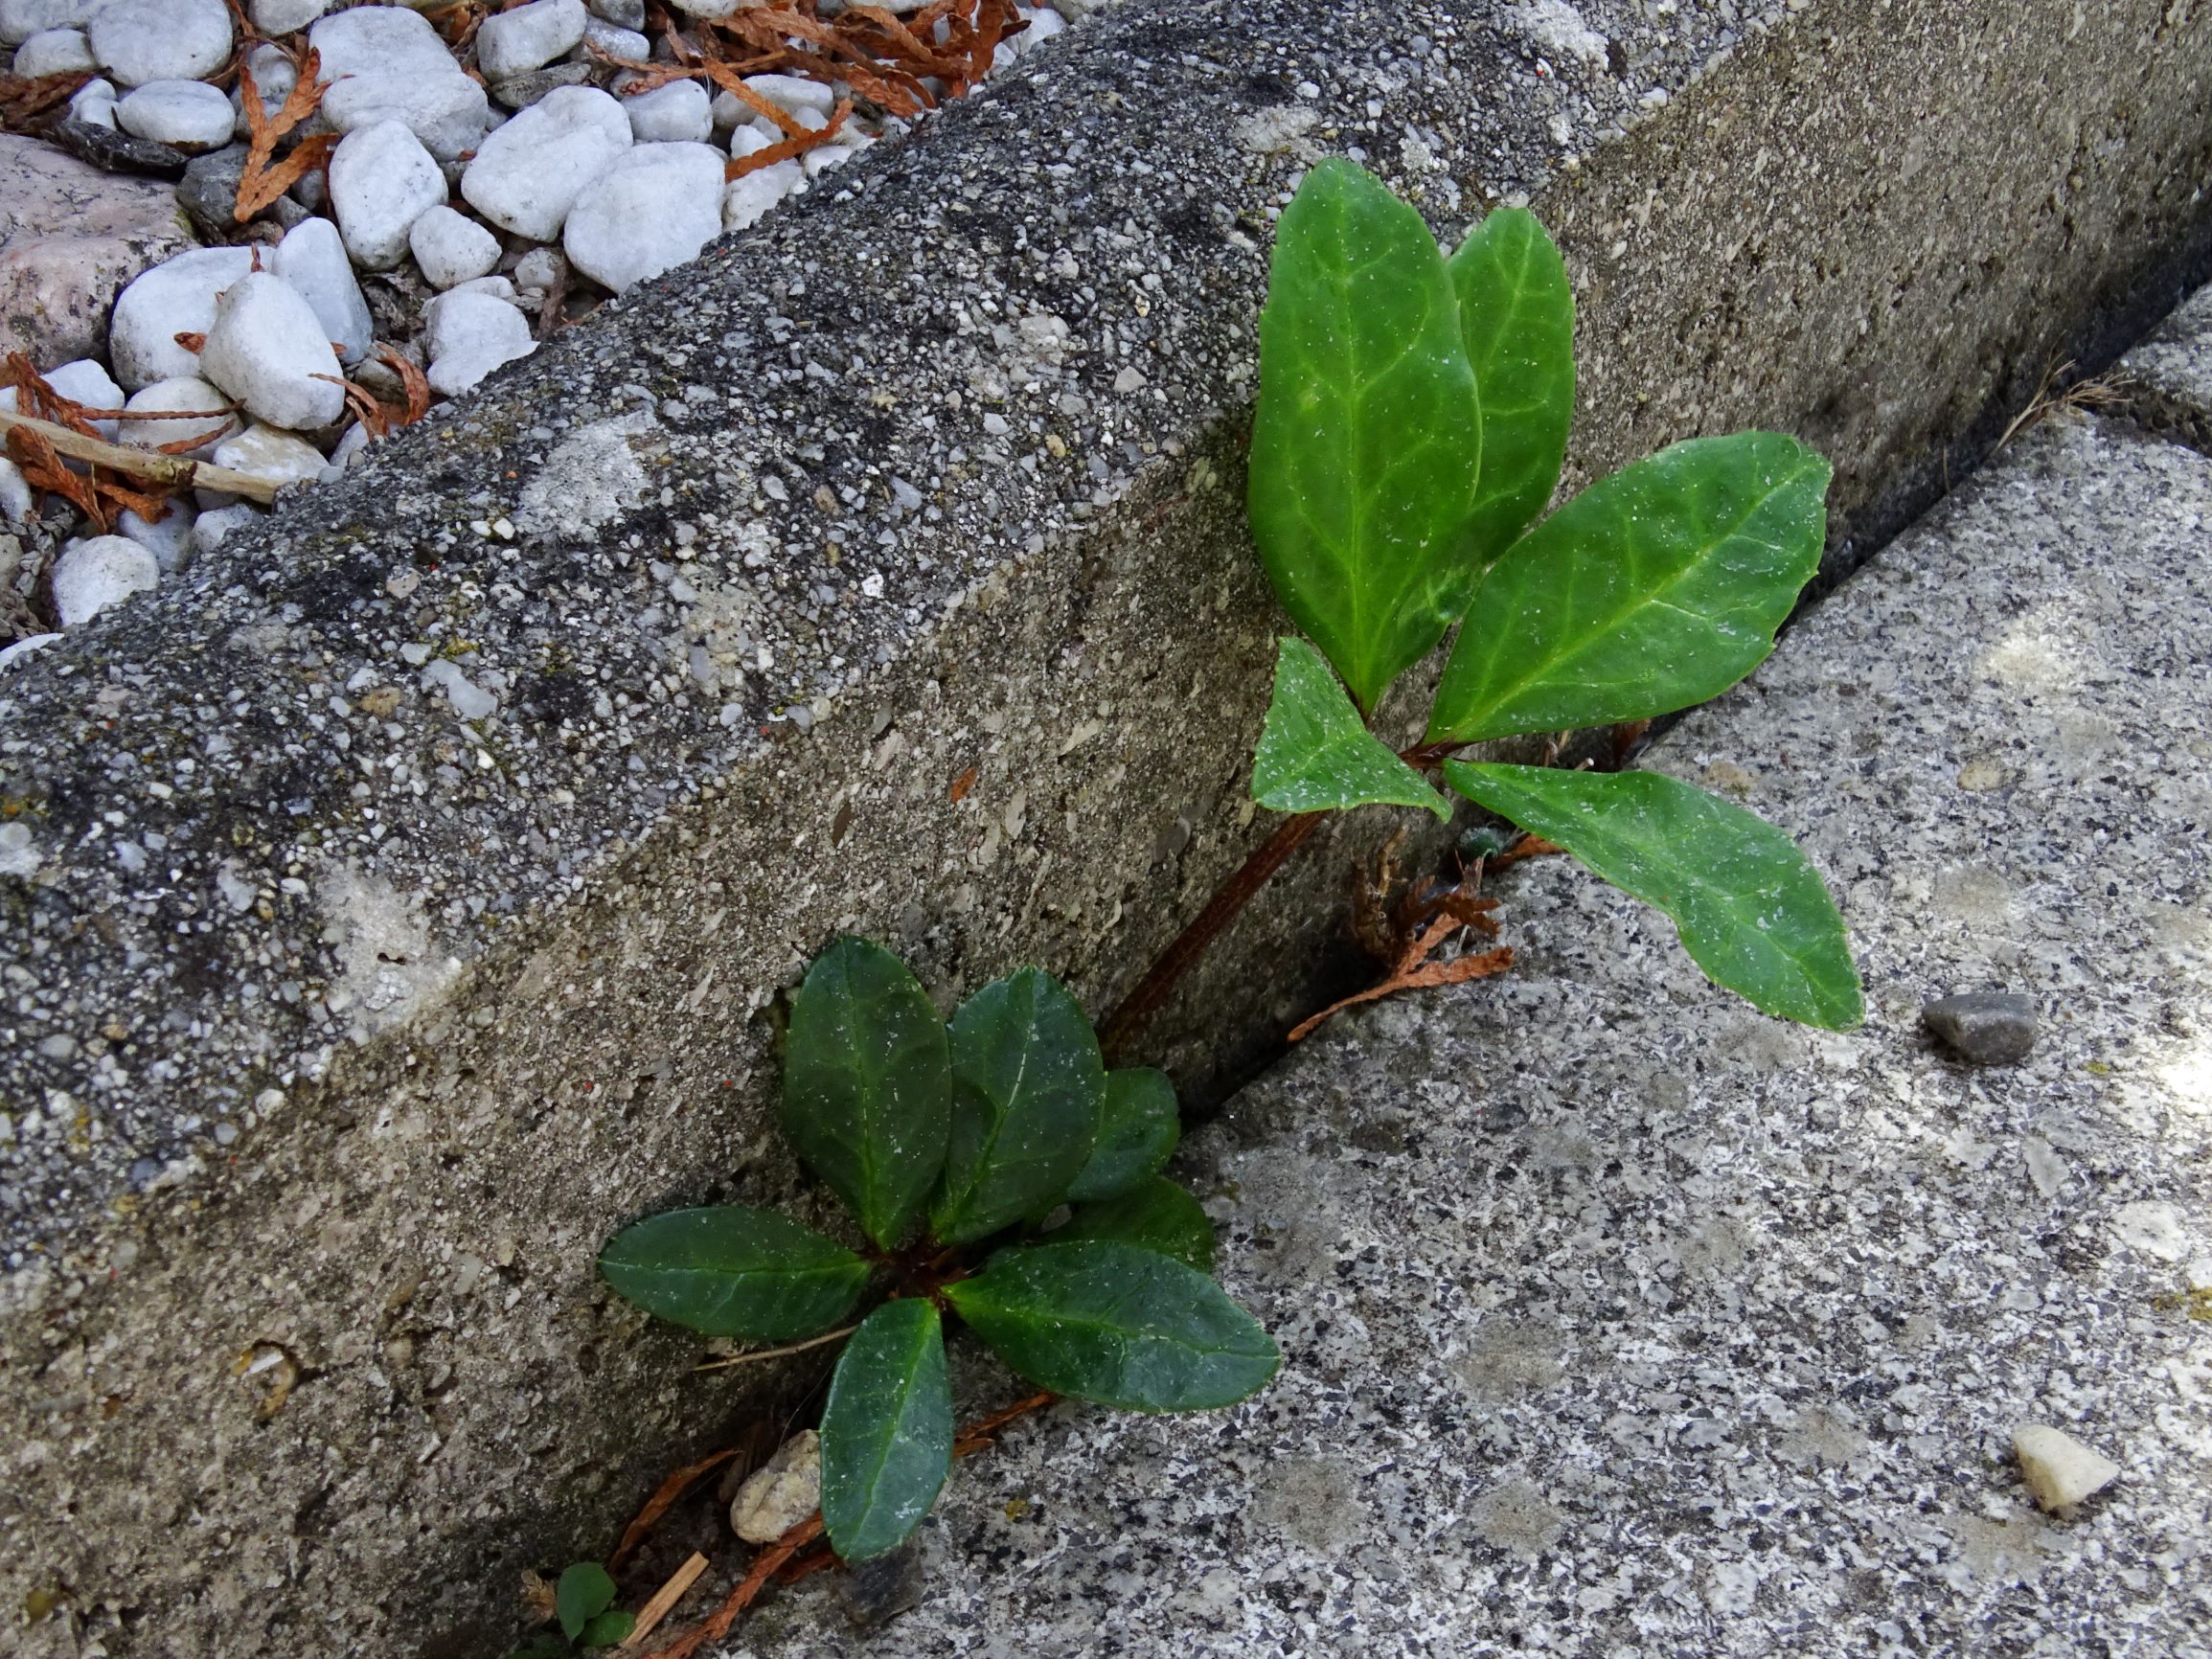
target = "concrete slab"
x: 346, y: 1018
x: 1620, y: 1320
x: 2167, y: 379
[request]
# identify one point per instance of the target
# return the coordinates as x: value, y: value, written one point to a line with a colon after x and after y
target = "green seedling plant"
x: 583, y: 1604
x: 1411, y: 430
x: 954, y: 1144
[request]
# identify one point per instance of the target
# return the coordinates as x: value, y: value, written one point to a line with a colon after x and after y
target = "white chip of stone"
x: 528, y: 37
x: 282, y: 16
x: 350, y: 442
x: 168, y: 539
x: 677, y: 113
x: 655, y: 208
x: 530, y: 171
x: 386, y: 64
x: 312, y: 258
x: 176, y: 297
x: 826, y: 157
x: 186, y: 394
x: 537, y: 269
x: 452, y: 247
x: 211, y: 527
x: 781, y: 1493
x: 21, y: 19
x: 266, y: 350
x: 382, y: 180
x: 2060, y: 1469
x: 94, y: 103
x: 55, y: 52
x: 470, y: 334
x: 136, y: 41
x: 29, y: 645
x: 98, y: 572
x: 615, y: 40
x: 745, y: 199
x: 469, y: 700
x: 16, y: 502
x: 189, y: 114
x: 265, y: 452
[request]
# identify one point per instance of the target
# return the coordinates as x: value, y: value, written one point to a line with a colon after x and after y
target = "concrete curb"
x: 411, y: 1003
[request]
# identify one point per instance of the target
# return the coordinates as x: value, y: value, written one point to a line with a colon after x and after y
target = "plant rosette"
x: 1411, y: 430
x: 952, y: 1143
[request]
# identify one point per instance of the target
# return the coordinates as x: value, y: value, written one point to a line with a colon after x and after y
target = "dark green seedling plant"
x: 1411, y: 429
x: 950, y: 1142
x: 583, y: 1602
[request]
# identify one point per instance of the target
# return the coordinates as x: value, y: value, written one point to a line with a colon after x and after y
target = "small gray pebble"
x: 1985, y: 1028
x: 873, y: 1592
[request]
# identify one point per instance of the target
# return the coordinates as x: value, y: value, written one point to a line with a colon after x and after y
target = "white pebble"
x: 140, y: 40
x: 469, y: 700
x: 188, y: 113
x: 616, y: 42
x: 677, y: 113
x: 55, y: 52
x: 530, y: 171
x: 2061, y: 1471
x: 210, y: 528
x: 266, y: 350
x: 794, y: 93
x: 81, y: 381
x: 168, y: 539
x: 745, y: 199
x: 312, y: 258
x: 452, y: 247
x: 528, y: 37
x: 651, y: 212
x: 386, y: 64
x: 537, y: 269
x: 176, y: 297
x: 350, y: 442
x: 98, y: 572
x: 382, y: 180
x: 15, y: 501
x: 28, y: 647
x: 186, y: 393
x: 282, y: 16
x: 21, y: 19
x: 266, y: 453
x: 470, y: 334
x: 94, y: 103
x: 781, y: 1493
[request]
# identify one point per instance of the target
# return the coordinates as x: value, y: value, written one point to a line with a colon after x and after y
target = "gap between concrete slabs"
x: 477, y: 987
x: 1619, y: 1321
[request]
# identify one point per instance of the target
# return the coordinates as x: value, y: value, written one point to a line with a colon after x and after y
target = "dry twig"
x: 165, y: 471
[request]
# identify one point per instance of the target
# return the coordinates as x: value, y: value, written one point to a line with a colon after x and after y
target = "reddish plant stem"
x: 1141, y: 1003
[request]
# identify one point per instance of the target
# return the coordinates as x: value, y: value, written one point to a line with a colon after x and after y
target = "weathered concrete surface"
x: 1620, y: 1320
x: 2166, y: 381
x: 403, y: 1012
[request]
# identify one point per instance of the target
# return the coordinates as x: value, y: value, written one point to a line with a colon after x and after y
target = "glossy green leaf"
x: 1653, y: 589
x: 584, y: 1592
x: 868, y: 1086
x: 886, y: 1430
x: 1027, y: 1088
x: 608, y: 1629
x: 1367, y: 443
x: 1114, y: 1324
x: 1157, y: 1215
x: 1516, y: 314
x: 1316, y: 754
x: 728, y: 1270
x: 1136, y: 1132
x: 1751, y: 909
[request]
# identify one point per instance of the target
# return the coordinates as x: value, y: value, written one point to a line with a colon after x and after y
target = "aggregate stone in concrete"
x: 1620, y: 1320
x: 402, y: 896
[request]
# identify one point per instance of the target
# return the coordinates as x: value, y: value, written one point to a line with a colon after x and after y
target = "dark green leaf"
x: 886, y: 1430
x: 1159, y: 1216
x: 1750, y: 908
x: 732, y: 1271
x: 1653, y: 589
x: 867, y: 1085
x: 1136, y: 1132
x: 608, y: 1629
x: 1367, y: 443
x: 1516, y: 314
x: 585, y: 1591
x: 1117, y: 1325
x: 1028, y: 1089
x: 1316, y: 754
